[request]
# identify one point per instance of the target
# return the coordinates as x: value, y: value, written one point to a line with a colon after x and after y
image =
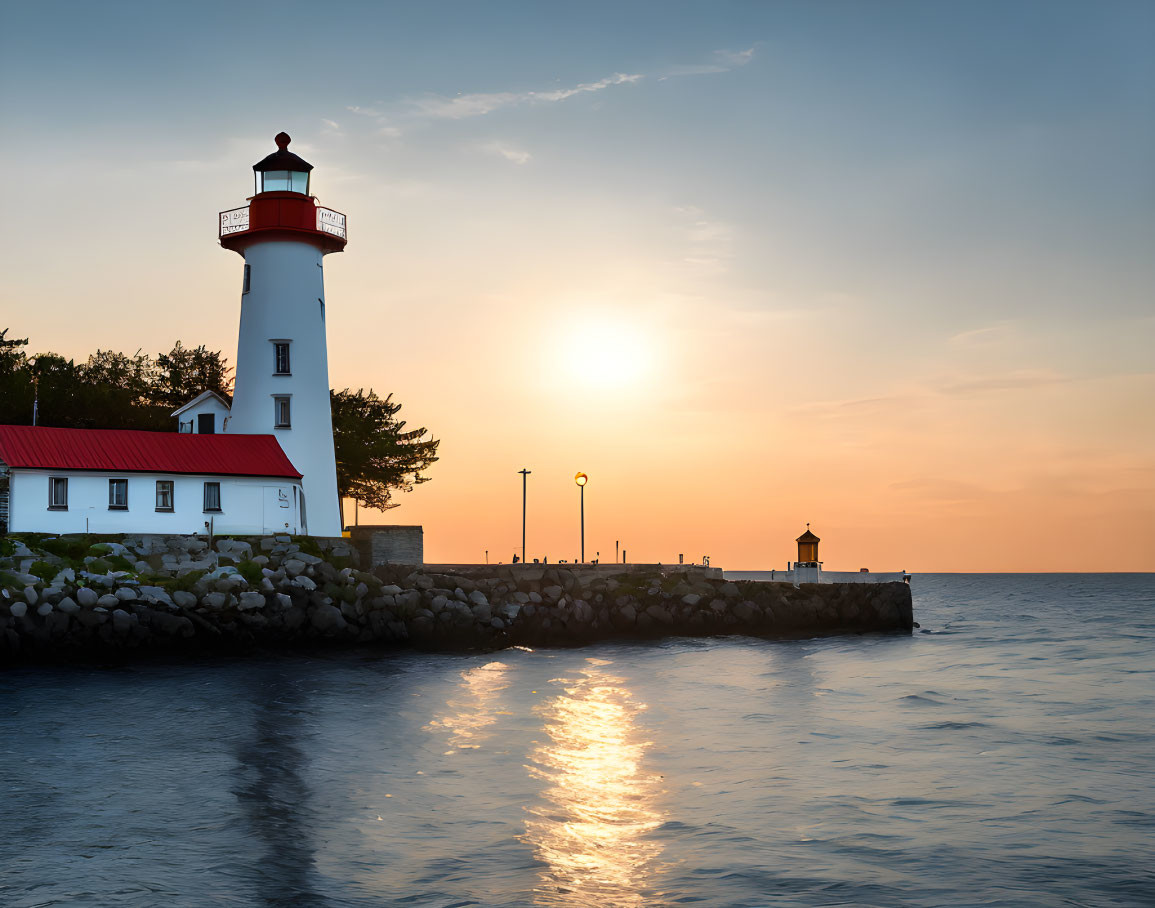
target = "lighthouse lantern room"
x: 282, y: 374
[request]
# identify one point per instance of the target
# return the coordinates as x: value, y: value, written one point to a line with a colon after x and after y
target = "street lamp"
x: 524, y: 475
x: 581, y: 479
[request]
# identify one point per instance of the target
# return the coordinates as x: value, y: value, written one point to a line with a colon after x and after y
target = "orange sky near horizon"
x: 751, y: 274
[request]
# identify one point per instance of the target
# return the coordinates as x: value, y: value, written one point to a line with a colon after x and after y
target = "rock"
x: 304, y: 582
x: 691, y: 599
x: 659, y: 614
x: 497, y: 623
x: 535, y: 598
x: 327, y: 618
x: 30, y: 595
x: 215, y: 600
x: 482, y: 613
x: 438, y: 603
x: 122, y: 621
x: 68, y: 575
x: 552, y: 593
x: 45, y: 608
x: 478, y: 598
x: 18, y: 609
x: 86, y: 597
x: 509, y: 611
x: 184, y: 599
x: 424, y: 583
x: 108, y: 601
x: 390, y: 589
x: 125, y: 594
x: 68, y: 606
x: 251, y: 601
x: 92, y: 617
x: 293, y: 567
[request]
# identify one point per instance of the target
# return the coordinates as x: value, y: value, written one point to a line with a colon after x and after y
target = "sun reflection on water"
x: 472, y: 710
x: 592, y: 832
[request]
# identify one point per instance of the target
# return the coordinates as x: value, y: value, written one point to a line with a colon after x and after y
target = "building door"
x: 278, y: 510
x: 206, y: 423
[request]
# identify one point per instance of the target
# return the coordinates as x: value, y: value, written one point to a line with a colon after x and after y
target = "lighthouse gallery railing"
x: 236, y: 220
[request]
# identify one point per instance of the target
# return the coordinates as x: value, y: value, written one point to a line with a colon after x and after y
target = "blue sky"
x: 935, y: 212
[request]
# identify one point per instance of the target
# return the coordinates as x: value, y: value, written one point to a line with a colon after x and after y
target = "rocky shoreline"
x: 78, y: 598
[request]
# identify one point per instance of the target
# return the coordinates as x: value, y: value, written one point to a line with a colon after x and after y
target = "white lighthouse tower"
x: 282, y: 374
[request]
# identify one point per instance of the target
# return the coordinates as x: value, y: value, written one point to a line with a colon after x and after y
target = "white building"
x: 282, y: 378
x: 263, y: 464
x: 808, y: 569
x: 122, y: 481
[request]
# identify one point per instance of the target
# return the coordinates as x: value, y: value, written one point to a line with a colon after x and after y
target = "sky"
x: 883, y: 267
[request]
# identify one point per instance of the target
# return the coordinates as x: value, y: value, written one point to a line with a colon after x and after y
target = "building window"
x: 281, y: 414
x: 206, y: 423
x: 164, y: 495
x: 212, y: 496
x: 248, y: 279
x: 281, y: 358
x: 57, y: 493
x: 118, y: 494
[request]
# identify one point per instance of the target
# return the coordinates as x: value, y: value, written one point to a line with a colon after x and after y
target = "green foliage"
x: 251, y: 571
x: 110, y: 390
x: 376, y: 456
x: 7, y: 547
x: 71, y: 548
x: 98, y: 566
x: 120, y: 563
x: 308, y: 545
x: 99, y: 549
x: 186, y: 581
x: 44, y: 570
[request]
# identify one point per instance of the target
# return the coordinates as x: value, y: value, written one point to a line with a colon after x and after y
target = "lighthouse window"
x: 248, y: 273
x: 284, y: 181
x: 281, y: 358
x: 212, y: 496
x: 281, y: 413
x: 118, y: 494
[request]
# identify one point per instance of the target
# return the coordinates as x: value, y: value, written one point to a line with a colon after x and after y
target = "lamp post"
x: 524, y: 473
x: 581, y: 479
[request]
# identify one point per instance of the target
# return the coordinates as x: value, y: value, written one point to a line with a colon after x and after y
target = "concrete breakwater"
x: 79, y: 597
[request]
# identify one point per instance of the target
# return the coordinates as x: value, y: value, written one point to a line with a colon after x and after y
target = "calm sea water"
x: 1003, y: 755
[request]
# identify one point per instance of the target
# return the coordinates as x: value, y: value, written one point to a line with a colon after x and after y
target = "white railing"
x: 234, y: 221
x: 330, y: 221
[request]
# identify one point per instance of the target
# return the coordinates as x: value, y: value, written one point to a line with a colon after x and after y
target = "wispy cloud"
x: 503, y: 150
x: 709, y: 241
x: 438, y: 107
x: 721, y: 61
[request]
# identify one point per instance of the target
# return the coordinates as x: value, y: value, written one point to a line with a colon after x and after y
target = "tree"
x: 375, y: 455
x: 183, y: 373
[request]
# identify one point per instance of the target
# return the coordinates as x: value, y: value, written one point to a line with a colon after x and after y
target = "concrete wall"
x: 284, y: 303
x: 384, y: 544
x: 248, y: 504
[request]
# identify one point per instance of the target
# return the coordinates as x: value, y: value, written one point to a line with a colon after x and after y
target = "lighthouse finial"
x: 282, y: 139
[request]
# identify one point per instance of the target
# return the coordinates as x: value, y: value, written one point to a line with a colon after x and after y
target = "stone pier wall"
x: 81, y: 598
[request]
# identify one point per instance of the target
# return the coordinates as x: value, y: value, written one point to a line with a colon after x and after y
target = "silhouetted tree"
x: 183, y: 373
x: 375, y: 455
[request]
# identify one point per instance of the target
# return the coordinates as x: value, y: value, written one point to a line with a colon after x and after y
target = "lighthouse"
x: 281, y: 386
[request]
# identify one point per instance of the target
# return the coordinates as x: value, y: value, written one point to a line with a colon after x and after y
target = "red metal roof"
x: 130, y: 451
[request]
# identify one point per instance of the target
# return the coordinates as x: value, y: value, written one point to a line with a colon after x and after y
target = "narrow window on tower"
x: 212, y: 496
x: 248, y: 274
x: 281, y: 413
x: 281, y: 358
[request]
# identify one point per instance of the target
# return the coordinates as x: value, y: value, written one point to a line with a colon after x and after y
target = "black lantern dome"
x: 282, y: 171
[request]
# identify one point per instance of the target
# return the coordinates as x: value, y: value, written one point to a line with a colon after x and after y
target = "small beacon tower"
x: 282, y: 374
x: 808, y: 548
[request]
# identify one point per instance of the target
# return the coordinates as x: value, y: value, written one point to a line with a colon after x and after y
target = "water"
x: 1004, y: 755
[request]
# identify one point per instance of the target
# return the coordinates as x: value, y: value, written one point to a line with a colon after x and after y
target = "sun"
x: 605, y: 353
